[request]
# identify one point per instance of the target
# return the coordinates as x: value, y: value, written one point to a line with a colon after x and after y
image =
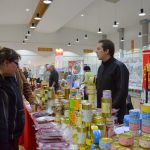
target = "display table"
x: 27, y: 140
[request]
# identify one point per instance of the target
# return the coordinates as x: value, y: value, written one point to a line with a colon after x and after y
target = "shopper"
x: 25, y: 72
x: 13, y: 121
x: 112, y: 75
x: 47, y: 72
x: 86, y: 78
x: 54, y: 77
x: 25, y: 87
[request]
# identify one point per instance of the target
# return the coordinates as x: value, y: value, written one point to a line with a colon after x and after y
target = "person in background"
x: 54, y: 77
x: 25, y: 87
x: 129, y: 103
x: 69, y: 79
x: 12, y: 123
x: 47, y: 72
x: 25, y: 72
x: 87, y: 75
x: 112, y: 75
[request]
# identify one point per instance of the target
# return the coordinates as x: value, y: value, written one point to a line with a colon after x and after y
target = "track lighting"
x: 99, y: 30
x: 47, y: 1
x: 142, y: 12
x: 32, y: 26
x: 26, y: 38
x: 77, y: 40
x: 37, y: 17
x: 69, y: 44
x: 140, y: 34
x: 86, y: 37
x: 28, y: 34
x: 122, y: 39
x: 115, y: 25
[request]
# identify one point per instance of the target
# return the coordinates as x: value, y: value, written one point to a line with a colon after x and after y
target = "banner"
x: 59, y: 59
x: 76, y: 67
x: 146, y: 60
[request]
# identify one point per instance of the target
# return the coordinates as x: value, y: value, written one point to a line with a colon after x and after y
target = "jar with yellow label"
x: 106, y: 106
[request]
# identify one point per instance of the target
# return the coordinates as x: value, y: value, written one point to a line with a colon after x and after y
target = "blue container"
x: 96, y: 135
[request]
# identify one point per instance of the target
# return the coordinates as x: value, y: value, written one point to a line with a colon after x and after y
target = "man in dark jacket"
x: 112, y: 75
x: 54, y: 77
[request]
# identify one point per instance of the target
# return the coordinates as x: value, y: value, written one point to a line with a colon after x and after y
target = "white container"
x: 87, y: 112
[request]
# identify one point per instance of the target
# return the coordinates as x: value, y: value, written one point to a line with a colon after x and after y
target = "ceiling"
x: 98, y: 13
x: 66, y: 14
x: 14, y: 11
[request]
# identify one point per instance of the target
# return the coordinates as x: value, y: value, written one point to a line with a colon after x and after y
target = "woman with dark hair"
x: 11, y: 103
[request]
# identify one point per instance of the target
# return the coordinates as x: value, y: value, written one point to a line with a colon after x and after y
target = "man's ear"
x: 107, y: 51
x: 6, y: 62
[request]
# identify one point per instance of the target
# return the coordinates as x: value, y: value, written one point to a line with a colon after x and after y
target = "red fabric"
x: 27, y: 140
x: 146, y: 60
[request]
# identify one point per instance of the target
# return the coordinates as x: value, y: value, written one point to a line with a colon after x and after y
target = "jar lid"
x: 87, y: 106
x: 106, y: 140
x: 126, y: 135
x: 145, y: 137
x: 82, y: 129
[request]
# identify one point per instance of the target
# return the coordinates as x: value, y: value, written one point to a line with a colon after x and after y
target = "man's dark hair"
x: 108, y: 45
x: 87, y: 68
x: 8, y: 54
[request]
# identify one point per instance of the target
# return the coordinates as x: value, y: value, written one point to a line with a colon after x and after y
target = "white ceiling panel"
x: 14, y: 11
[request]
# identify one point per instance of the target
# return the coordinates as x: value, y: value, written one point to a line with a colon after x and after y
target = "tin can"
x: 144, y: 141
x: 105, y: 143
x: 106, y: 107
x: 87, y: 112
x: 146, y: 129
x: 82, y: 133
x: 126, y: 139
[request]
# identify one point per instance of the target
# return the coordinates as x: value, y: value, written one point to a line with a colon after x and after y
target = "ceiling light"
x: 99, y: 30
x: 69, y: 44
x: 142, y: 12
x: 37, y: 17
x: 77, y: 40
x: 47, y: 1
x: 32, y: 26
x: 140, y: 34
x: 26, y: 38
x: 115, y: 25
x: 28, y: 34
x: 82, y: 15
x: 122, y: 39
x: 86, y: 37
x: 27, y: 9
